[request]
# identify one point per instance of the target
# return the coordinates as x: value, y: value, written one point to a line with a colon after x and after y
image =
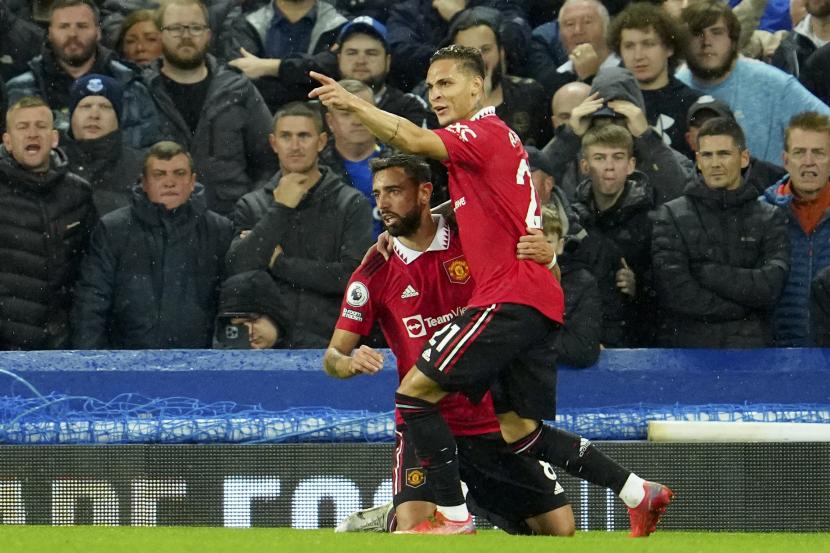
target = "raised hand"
x: 331, y: 94
x: 255, y: 67
x: 635, y: 118
x: 581, y: 115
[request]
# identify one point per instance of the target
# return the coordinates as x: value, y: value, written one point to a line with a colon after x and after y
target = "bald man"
x: 565, y: 100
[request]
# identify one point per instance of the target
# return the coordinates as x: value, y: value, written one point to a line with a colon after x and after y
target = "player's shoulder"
x: 372, y: 267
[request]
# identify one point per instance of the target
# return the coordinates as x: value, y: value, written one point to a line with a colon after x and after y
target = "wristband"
x: 553, y: 262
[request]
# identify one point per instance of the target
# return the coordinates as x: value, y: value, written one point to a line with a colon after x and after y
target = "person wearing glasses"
x: 72, y: 50
x: 213, y: 111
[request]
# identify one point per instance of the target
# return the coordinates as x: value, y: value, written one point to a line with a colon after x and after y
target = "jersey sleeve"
x: 466, y: 142
x: 357, y: 310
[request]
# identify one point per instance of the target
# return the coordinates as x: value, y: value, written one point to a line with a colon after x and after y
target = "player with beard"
x: 505, y: 341
x: 763, y: 98
x: 213, y: 111
x: 421, y: 288
x: 520, y: 102
x: 72, y: 50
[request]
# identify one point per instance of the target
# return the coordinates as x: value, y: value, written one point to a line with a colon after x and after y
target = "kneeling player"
x: 420, y: 289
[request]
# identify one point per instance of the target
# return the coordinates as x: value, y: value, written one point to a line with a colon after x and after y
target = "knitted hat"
x: 97, y: 85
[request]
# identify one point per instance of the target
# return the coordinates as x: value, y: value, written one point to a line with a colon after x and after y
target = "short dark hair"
x: 415, y: 167
x: 133, y: 18
x: 61, y: 4
x: 162, y: 9
x: 723, y: 126
x: 644, y: 16
x: 469, y: 59
x: 299, y: 109
x: 471, y: 18
x: 166, y: 150
x: 807, y: 121
x: 699, y: 15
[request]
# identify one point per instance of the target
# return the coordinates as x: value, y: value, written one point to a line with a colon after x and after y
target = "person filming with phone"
x: 250, y: 314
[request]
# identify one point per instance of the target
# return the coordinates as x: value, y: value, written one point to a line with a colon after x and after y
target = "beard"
x: 494, y: 80
x: 712, y: 73
x: 407, y: 223
x: 76, y: 60
x: 819, y: 10
x: 192, y: 61
x: 376, y: 82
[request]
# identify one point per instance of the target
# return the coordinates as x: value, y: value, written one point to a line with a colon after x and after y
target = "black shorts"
x: 504, y: 487
x: 507, y: 348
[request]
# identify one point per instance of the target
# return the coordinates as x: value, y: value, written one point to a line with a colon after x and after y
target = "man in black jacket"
x: 46, y: 214
x: 613, y: 205
x: 94, y: 143
x: 210, y: 109
x: 151, y: 277
x: 306, y: 227
x: 720, y: 256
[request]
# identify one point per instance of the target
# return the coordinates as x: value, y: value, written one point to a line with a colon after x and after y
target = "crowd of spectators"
x: 165, y: 182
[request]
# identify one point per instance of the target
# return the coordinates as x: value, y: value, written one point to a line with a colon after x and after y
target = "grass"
x: 47, y: 539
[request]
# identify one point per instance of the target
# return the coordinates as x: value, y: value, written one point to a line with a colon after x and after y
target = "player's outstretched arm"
x: 389, y: 128
x: 341, y: 360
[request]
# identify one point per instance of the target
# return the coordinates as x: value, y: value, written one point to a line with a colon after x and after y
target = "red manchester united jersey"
x: 494, y: 203
x: 412, y: 296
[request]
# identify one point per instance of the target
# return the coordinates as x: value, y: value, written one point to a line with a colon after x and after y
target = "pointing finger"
x: 319, y: 77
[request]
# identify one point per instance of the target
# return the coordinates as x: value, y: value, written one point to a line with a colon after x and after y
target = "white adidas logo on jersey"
x: 410, y: 292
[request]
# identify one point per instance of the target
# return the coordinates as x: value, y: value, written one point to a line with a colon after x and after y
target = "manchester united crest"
x: 458, y: 270
x: 415, y: 478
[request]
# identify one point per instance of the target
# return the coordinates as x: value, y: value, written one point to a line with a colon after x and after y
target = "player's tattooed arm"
x: 342, y: 360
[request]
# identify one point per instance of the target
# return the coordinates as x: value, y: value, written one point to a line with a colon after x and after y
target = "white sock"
x: 633, y: 492
x: 456, y: 513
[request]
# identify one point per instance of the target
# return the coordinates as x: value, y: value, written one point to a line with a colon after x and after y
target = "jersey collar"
x: 440, y: 242
x: 483, y: 112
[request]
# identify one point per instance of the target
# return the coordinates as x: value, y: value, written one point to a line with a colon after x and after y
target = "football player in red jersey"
x: 422, y: 287
x: 504, y: 342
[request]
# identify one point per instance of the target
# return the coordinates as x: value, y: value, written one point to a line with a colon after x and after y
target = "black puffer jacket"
x: 45, y: 220
x: 720, y: 261
x: 230, y: 144
x: 621, y: 231
x: 579, y: 340
x: 151, y: 277
x: 108, y: 164
x: 20, y: 41
x: 323, y: 240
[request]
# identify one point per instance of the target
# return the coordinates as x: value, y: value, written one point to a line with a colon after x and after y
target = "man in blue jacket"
x: 804, y: 196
